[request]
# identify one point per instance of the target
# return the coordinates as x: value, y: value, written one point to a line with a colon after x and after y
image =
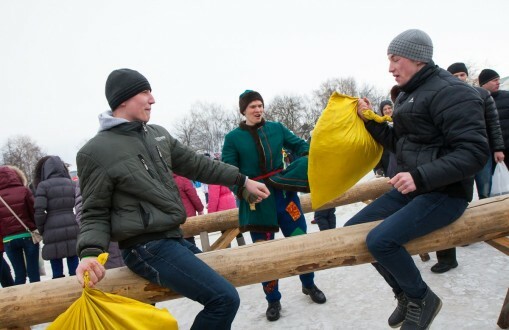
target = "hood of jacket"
x: 54, y: 167
x: 107, y: 121
x: 9, y: 178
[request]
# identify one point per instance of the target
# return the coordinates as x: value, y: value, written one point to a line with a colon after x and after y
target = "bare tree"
x: 289, y: 110
x: 347, y: 86
x: 204, y: 128
x: 23, y: 152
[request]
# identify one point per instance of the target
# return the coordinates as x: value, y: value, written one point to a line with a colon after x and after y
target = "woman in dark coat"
x: 18, y: 245
x: 54, y: 214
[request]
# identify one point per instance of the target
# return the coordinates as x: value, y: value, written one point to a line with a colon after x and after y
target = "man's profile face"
x: 403, y: 69
x: 137, y: 108
x: 461, y: 76
x: 492, y: 85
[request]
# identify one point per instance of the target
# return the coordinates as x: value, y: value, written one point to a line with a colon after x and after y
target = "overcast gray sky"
x: 56, y: 55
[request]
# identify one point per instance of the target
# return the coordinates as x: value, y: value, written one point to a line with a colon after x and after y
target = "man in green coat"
x: 256, y: 148
x: 129, y: 196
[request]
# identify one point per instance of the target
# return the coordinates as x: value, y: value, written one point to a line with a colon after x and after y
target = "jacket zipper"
x: 162, y: 159
x: 145, y: 165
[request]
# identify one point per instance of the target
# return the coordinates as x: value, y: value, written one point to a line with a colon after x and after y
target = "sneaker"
x: 440, y: 268
x: 316, y: 294
x: 398, y: 316
x: 421, y: 312
x: 273, y: 310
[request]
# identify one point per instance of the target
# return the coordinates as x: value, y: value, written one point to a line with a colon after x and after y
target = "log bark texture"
x: 41, y: 302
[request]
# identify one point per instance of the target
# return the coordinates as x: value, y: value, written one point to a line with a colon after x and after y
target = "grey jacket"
x: 54, y: 214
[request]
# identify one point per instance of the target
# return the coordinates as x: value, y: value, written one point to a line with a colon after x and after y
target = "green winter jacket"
x: 257, y: 151
x: 127, y: 185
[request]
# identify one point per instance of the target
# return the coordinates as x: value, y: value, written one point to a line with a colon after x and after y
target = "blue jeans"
x: 14, y: 250
x: 6, y: 279
x: 57, y: 266
x: 483, y: 179
x: 171, y: 263
x: 405, y: 218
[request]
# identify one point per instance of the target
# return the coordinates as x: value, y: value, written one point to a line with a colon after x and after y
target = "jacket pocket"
x: 144, y: 162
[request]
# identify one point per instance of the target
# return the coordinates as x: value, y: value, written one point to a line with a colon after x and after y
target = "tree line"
x: 203, y: 128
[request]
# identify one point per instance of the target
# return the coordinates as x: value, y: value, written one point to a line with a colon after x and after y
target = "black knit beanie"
x: 487, y: 75
x: 247, y: 97
x: 122, y: 84
x: 383, y: 104
x: 457, y: 67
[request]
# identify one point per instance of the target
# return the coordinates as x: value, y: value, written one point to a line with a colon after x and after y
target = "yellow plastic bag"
x: 342, y: 150
x: 98, y: 310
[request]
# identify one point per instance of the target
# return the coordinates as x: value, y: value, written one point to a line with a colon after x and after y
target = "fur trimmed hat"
x: 412, y: 44
x: 457, y: 67
x: 122, y: 84
x: 247, y: 97
x: 487, y: 75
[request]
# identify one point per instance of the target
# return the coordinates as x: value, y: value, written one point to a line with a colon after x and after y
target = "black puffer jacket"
x: 502, y: 101
x: 439, y: 133
x: 54, y: 214
x: 495, y: 137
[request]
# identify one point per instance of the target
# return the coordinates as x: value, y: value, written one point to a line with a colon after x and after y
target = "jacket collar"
x: 246, y: 127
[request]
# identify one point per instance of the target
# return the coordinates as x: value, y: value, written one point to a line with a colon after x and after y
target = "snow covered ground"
x: 358, y: 298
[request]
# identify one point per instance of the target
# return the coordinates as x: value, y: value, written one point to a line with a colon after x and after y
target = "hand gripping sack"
x: 342, y: 150
x: 500, y: 180
x: 98, y: 310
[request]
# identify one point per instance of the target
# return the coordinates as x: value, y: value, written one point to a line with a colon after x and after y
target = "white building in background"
x: 504, y: 83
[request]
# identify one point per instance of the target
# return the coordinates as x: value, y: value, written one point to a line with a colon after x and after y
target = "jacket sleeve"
x: 294, y: 143
x: 189, y: 164
x: 40, y: 206
x: 78, y: 203
x: 96, y: 191
x: 493, y: 125
x: 29, y: 203
x: 193, y: 195
x: 214, y: 193
x: 383, y: 134
x: 459, y: 116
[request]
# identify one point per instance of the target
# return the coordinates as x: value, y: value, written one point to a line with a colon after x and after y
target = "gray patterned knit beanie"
x: 412, y: 44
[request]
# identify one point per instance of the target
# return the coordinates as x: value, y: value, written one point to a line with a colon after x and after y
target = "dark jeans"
x: 172, y: 263
x: 326, y: 219
x: 57, y: 266
x: 483, y: 179
x: 18, y: 250
x: 6, y: 279
x: 405, y: 219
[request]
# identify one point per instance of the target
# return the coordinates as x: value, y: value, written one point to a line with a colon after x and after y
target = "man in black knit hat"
x: 129, y: 196
x: 490, y: 80
x: 439, y: 138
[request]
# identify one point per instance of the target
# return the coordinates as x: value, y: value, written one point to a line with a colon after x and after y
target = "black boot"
x: 398, y: 316
x: 421, y: 312
x: 440, y: 268
x: 316, y: 294
x: 273, y: 310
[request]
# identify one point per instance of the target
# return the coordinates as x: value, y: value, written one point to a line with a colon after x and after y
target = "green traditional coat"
x: 257, y: 151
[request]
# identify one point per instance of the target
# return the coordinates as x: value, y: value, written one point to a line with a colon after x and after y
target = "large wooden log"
x: 229, y: 219
x: 41, y: 302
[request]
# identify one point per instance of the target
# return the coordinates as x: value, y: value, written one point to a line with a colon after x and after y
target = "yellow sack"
x: 342, y: 150
x: 98, y: 310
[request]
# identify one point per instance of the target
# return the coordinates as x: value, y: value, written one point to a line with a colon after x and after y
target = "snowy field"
x: 358, y: 297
